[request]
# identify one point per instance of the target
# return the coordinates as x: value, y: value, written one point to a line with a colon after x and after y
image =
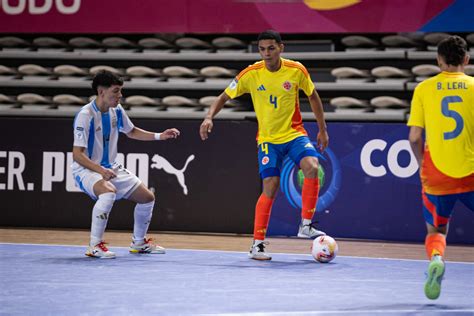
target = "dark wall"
x: 222, y: 180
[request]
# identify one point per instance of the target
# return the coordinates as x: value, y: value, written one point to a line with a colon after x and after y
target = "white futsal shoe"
x: 257, y: 251
x: 100, y: 251
x: 309, y: 231
x: 147, y: 246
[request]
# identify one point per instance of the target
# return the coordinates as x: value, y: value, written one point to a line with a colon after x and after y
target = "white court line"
x: 351, y: 312
x: 241, y: 252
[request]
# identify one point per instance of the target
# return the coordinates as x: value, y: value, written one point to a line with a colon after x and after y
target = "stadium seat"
x: 68, y: 99
x: 351, y: 74
x: 389, y: 102
x: 94, y: 70
x: 227, y: 43
x: 433, y: 39
x: 358, y: 41
x: 70, y: 72
x: 469, y: 70
x: 400, y: 42
x: 141, y: 100
x: 85, y: 44
x: 5, y: 99
x: 14, y: 42
x: 142, y: 71
x: 425, y: 71
x: 470, y: 38
x: 217, y: 71
x: 118, y: 42
x: 34, y: 72
x: 348, y: 102
x: 7, y: 73
x: 177, y: 101
x: 192, y: 44
x: 33, y: 101
x: 49, y: 43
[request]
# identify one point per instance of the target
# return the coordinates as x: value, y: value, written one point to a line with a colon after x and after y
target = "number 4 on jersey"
x: 273, y: 100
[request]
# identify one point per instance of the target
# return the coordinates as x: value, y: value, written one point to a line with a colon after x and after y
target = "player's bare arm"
x: 416, y: 142
x: 317, y: 108
x: 141, y: 134
x: 206, y: 125
x: 79, y: 155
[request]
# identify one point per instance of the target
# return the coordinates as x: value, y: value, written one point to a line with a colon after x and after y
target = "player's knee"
x: 311, y: 171
x: 149, y: 197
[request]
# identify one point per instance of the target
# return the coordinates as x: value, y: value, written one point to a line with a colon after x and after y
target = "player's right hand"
x: 206, y: 128
x: 108, y: 174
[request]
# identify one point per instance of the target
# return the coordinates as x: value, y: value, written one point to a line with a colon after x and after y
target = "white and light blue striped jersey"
x: 99, y: 132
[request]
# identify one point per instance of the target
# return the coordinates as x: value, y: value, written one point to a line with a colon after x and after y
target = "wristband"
x: 157, y: 136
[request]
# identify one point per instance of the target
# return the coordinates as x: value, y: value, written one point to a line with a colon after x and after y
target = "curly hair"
x: 453, y: 50
x: 106, y: 79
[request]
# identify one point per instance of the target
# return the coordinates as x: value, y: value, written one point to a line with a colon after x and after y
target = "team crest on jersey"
x: 233, y: 84
x: 287, y: 85
x: 265, y: 160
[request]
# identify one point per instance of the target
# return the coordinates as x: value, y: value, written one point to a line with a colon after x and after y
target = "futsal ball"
x: 324, y: 249
x: 321, y: 176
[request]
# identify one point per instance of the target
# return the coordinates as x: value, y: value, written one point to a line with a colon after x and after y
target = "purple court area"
x: 60, y: 280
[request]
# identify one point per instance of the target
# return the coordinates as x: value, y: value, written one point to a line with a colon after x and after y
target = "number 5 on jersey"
x: 452, y: 114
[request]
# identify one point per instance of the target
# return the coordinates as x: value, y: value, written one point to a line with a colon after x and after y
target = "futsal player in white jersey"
x: 96, y: 132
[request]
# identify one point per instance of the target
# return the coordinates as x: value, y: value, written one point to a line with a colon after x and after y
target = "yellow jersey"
x: 444, y: 106
x: 275, y: 97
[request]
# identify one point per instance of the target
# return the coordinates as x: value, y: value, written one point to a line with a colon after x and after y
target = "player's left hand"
x: 170, y: 133
x: 322, y: 140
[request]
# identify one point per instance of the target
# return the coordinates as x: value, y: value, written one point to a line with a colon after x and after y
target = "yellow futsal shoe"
x: 147, y: 246
x: 435, y: 276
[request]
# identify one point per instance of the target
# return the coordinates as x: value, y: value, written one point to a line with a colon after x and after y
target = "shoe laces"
x: 261, y: 246
x: 312, y: 225
x: 102, y: 246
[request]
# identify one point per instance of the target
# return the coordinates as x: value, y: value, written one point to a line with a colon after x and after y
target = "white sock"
x: 142, y: 217
x: 100, y: 215
x: 306, y: 221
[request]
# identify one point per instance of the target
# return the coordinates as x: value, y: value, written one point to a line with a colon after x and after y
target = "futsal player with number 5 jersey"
x: 443, y: 107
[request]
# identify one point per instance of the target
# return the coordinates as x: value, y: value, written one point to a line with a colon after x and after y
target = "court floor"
x: 40, y: 279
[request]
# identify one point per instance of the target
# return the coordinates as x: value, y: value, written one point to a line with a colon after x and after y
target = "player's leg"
x: 437, y: 210
x: 303, y: 153
x: 145, y: 200
x: 269, y: 157
x: 105, y: 193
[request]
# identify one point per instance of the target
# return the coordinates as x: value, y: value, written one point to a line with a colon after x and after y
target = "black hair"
x: 270, y: 35
x: 105, y: 78
x: 453, y: 50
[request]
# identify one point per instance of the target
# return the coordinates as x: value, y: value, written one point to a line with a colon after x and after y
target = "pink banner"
x: 216, y: 16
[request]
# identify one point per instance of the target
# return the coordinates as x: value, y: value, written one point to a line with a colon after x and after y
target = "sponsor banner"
x: 234, y: 16
x: 199, y: 186
x: 370, y: 188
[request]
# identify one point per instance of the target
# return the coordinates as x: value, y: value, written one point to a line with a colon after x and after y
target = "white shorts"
x: 125, y: 182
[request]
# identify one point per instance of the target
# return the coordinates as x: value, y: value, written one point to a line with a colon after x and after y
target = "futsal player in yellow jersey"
x: 443, y: 106
x: 274, y: 85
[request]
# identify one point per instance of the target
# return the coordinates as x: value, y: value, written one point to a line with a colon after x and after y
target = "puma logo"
x: 160, y: 162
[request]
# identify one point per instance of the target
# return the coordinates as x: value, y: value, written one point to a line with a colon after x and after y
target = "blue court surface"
x: 60, y: 280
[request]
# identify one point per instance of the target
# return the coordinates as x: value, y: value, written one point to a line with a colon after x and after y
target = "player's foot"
x: 257, y: 251
x: 100, y: 251
x: 434, y: 277
x: 309, y: 231
x: 147, y: 246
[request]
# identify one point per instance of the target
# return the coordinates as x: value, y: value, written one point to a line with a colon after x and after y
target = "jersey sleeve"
x: 239, y: 85
x: 417, y: 117
x: 81, y: 129
x: 125, y: 125
x: 306, y: 84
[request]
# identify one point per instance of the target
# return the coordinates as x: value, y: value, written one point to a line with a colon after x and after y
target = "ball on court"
x: 324, y: 249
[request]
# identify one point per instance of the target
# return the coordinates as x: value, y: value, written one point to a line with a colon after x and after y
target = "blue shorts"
x: 437, y: 209
x: 271, y: 156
